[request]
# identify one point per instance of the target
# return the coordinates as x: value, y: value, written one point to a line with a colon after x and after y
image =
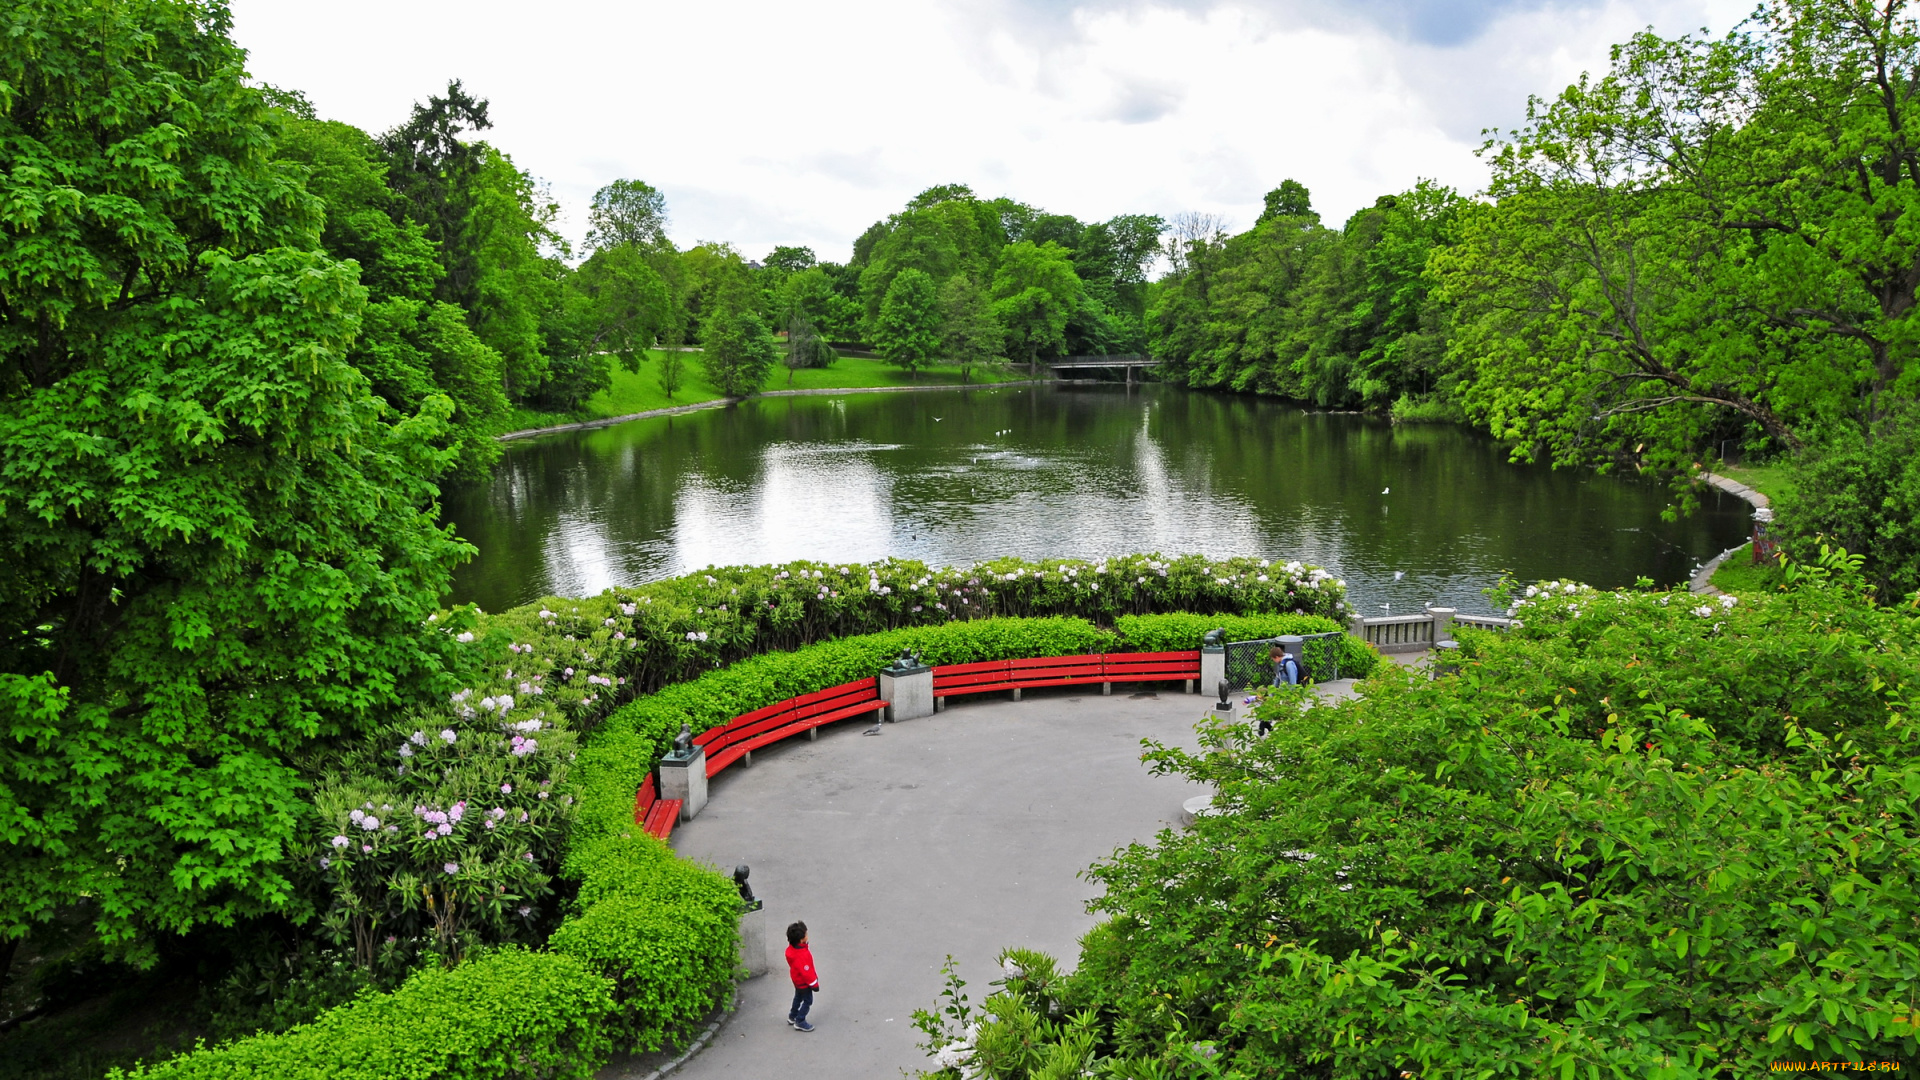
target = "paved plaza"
x: 963, y: 833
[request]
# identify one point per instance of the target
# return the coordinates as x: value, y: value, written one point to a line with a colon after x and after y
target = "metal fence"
x: 1250, y: 663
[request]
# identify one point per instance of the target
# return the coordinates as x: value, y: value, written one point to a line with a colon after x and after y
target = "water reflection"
x: 957, y: 476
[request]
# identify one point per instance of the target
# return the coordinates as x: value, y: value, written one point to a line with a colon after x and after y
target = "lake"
x: 955, y: 476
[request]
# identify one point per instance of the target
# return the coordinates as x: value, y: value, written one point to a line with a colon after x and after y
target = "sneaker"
x: 803, y: 1026
x: 791, y: 1022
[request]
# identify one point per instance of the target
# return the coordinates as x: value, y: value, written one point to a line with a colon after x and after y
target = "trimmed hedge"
x: 507, y: 1015
x: 1182, y: 630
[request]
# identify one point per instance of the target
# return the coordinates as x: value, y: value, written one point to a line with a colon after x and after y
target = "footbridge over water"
x: 1127, y: 364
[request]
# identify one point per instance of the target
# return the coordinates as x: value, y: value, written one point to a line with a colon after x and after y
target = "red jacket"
x: 800, y: 966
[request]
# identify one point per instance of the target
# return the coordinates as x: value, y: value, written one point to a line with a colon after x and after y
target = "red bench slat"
x: 643, y: 800
x: 665, y: 815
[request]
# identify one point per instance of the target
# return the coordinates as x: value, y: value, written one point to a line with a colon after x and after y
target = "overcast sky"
x: 783, y: 123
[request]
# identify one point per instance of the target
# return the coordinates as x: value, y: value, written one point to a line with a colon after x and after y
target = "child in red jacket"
x: 805, y: 981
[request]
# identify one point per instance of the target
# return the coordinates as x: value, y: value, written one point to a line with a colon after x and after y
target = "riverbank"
x: 634, y: 394
x: 1732, y: 570
x: 585, y: 425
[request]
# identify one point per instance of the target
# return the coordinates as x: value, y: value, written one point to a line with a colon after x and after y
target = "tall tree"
x: 908, y: 332
x: 627, y: 212
x: 218, y: 552
x: 433, y: 172
x: 1034, y: 292
x: 969, y: 335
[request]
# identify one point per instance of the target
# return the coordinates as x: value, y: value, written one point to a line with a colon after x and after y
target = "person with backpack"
x: 1286, y: 669
x: 1286, y: 672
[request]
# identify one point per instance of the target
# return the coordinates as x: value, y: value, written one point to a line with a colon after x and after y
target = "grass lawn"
x: 1739, y: 575
x: 640, y: 391
x: 1768, y: 480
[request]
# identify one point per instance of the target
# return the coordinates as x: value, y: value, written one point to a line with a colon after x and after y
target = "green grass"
x: 1738, y: 574
x: 1769, y: 480
x: 640, y: 391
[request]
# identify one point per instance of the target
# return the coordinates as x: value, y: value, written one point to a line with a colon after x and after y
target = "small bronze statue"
x: 907, y: 659
x: 746, y: 891
x: 683, y: 742
x: 1214, y: 638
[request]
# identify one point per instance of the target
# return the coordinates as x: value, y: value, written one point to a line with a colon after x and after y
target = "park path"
x: 961, y: 833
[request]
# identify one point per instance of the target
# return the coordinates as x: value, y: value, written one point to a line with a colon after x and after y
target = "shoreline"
x: 1702, y: 580
x: 676, y: 410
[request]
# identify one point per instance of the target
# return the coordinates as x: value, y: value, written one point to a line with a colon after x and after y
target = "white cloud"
x: 802, y: 124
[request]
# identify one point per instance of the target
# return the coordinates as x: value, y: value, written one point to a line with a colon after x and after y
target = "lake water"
x: 955, y: 476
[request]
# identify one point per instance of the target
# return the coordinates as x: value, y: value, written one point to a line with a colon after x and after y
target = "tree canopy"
x: 221, y: 545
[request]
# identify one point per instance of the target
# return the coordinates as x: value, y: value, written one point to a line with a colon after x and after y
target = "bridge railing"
x: 1421, y: 630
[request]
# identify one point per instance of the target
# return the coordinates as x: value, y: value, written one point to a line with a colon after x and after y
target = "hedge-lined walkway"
x: 963, y: 833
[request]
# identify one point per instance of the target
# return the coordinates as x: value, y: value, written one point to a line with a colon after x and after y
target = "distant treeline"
x: 1332, y: 317
x: 472, y: 293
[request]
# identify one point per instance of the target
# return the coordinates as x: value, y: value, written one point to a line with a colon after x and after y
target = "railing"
x: 1419, y: 631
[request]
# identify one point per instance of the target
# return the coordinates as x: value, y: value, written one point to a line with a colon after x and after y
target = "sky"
x: 783, y: 123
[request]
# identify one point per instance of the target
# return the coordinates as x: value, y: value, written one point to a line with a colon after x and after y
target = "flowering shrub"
x: 504, y: 1016
x: 430, y: 841
x: 587, y: 656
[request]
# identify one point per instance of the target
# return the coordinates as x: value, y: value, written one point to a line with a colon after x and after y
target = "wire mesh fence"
x: 1250, y: 663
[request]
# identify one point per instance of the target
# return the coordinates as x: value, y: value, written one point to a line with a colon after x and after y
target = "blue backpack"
x: 1289, y: 671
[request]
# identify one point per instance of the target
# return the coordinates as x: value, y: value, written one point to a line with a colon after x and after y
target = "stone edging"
x: 675, y: 410
x: 1702, y: 581
x: 1735, y: 487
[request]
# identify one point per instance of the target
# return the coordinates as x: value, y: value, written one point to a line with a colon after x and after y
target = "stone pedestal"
x: 1445, y: 659
x: 685, y: 779
x: 753, y: 940
x: 908, y: 691
x: 1442, y: 623
x: 1213, y: 668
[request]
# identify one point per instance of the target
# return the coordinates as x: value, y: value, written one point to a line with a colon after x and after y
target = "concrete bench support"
x: 685, y: 779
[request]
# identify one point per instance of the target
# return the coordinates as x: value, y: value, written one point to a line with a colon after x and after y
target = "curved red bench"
x: 950, y: 680
x: 741, y: 736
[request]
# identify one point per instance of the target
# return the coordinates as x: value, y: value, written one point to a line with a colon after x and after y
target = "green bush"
x: 661, y: 929
x: 504, y: 1016
x: 1862, y: 495
x: 1645, y: 834
x: 587, y: 656
x: 1181, y: 630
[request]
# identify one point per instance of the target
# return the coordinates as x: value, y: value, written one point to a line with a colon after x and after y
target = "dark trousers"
x: 802, y: 1001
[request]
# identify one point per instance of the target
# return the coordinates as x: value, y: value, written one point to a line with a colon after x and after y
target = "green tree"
x: 672, y: 364
x: 220, y: 548
x: 1711, y: 241
x: 739, y: 352
x: 627, y: 212
x: 1034, y: 293
x: 908, y: 332
x: 517, y: 294
x: 969, y: 335
x: 433, y: 173
x: 410, y: 346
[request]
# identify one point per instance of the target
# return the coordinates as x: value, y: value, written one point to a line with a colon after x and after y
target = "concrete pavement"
x: 961, y: 833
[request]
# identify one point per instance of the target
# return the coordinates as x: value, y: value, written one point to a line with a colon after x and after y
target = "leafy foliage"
x: 908, y: 331
x: 1861, y: 494
x: 220, y: 549
x: 1644, y: 832
x: 508, y: 1015
x: 1294, y: 309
